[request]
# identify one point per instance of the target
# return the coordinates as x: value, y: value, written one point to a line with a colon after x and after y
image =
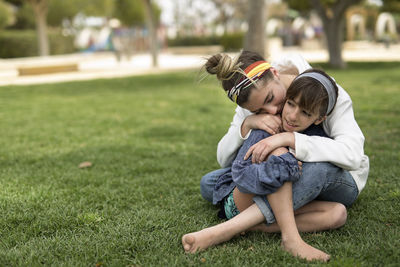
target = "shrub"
x: 194, y: 41
x: 24, y: 43
x: 232, y: 42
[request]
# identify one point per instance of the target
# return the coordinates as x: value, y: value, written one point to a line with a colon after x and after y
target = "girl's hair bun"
x: 223, y: 66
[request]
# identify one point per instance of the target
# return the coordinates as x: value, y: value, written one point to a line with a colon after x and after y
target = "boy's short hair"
x: 313, y: 95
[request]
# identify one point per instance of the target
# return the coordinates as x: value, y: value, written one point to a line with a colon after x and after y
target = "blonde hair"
x: 223, y: 66
x: 230, y: 70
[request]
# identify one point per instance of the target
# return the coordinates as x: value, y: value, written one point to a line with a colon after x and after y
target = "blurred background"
x: 120, y: 36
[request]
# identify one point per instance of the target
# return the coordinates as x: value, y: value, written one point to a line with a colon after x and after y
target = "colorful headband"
x: 327, y: 85
x: 254, y: 72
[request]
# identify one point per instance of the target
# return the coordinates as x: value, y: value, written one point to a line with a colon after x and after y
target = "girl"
x: 258, y: 109
x: 309, y: 99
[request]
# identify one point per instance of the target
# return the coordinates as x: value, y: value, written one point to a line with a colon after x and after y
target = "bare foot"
x: 204, y: 239
x: 303, y: 250
x: 196, y: 241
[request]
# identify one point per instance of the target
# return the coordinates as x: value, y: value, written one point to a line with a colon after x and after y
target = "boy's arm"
x: 266, y: 177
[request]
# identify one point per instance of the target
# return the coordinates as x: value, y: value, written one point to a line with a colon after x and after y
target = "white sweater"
x: 345, y: 149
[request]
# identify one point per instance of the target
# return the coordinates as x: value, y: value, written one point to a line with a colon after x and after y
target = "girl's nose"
x: 271, y: 109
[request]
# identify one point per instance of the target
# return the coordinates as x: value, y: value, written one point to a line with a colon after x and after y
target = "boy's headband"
x: 254, y: 72
x: 327, y: 85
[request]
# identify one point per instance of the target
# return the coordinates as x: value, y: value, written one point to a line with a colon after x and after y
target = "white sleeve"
x: 232, y: 140
x: 345, y: 149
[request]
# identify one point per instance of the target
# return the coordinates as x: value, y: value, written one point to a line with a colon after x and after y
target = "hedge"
x: 23, y: 43
x: 230, y: 42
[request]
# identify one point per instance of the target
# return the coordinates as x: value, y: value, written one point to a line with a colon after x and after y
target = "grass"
x: 150, y: 140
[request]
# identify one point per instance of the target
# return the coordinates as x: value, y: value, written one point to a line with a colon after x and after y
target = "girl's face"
x: 296, y: 119
x: 267, y: 98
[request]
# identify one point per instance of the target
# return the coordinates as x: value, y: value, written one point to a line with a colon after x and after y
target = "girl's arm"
x: 243, y: 122
x: 232, y: 140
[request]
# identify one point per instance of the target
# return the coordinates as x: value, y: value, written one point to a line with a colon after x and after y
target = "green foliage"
x: 150, y: 139
x: 17, y: 3
x: 67, y: 9
x: 130, y: 12
x: 62, y: 9
x: 233, y: 41
x: 194, y: 41
x: 25, y: 18
x: 229, y: 42
x: 24, y: 43
x: 100, y: 8
x: 5, y: 15
x: 299, y: 5
x: 392, y: 6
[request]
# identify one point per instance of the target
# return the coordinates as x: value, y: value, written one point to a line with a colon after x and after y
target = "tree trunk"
x: 152, y: 31
x: 334, y: 38
x: 255, y: 37
x: 333, y: 22
x: 40, y: 9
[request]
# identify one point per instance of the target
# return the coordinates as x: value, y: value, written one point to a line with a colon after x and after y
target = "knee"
x: 339, y: 215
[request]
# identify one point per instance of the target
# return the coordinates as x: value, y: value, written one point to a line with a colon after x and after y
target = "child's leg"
x: 251, y: 217
x: 281, y: 204
x: 222, y: 232
x: 315, y: 216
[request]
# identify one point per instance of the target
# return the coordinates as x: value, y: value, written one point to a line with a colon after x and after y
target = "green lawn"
x: 150, y: 140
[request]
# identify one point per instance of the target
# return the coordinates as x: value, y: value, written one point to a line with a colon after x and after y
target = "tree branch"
x: 341, y: 6
x: 320, y: 9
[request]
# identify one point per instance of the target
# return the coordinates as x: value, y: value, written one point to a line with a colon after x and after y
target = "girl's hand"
x: 269, y: 123
x: 263, y: 148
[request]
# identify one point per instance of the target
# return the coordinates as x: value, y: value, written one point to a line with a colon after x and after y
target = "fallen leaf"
x: 85, y: 164
x: 203, y: 260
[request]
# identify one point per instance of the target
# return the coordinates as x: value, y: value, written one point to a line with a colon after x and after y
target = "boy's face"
x: 296, y: 119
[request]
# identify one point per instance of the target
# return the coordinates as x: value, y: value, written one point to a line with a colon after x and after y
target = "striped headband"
x: 327, y: 85
x: 254, y: 72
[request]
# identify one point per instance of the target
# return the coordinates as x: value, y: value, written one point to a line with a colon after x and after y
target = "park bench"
x: 47, y: 68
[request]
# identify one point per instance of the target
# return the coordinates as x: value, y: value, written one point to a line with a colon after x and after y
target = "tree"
x: 333, y: 19
x: 67, y: 9
x: 130, y: 12
x: 151, y: 25
x: 255, y: 36
x: 40, y: 8
x: 332, y: 14
x: 230, y: 11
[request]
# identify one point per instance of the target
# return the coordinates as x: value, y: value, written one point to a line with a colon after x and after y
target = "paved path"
x: 105, y: 65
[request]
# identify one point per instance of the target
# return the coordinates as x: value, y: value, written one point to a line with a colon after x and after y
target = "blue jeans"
x: 318, y: 181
